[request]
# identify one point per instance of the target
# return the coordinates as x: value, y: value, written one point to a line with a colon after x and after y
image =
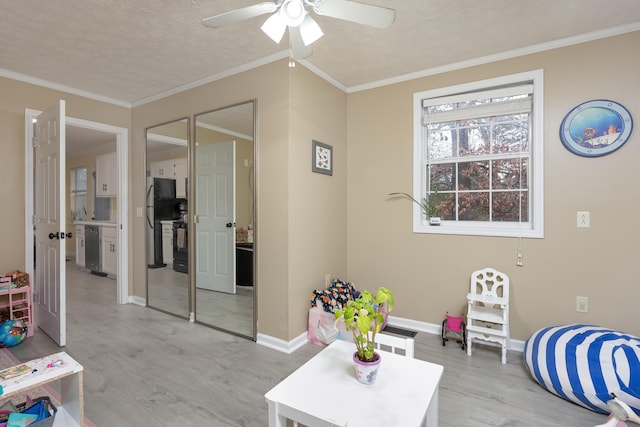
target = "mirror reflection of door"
x: 166, y: 216
x: 224, y: 208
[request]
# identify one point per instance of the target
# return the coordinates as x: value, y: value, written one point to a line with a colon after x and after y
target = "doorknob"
x: 60, y: 235
x: 231, y: 224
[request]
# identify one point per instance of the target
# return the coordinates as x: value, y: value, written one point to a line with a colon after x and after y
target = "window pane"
x: 473, y: 176
x: 81, y: 179
x: 474, y: 138
x: 442, y: 177
x: 511, y: 134
x: 506, y: 206
x: 473, y: 207
x: 508, y: 173
x: 440, y: 141
x: 448, y: 206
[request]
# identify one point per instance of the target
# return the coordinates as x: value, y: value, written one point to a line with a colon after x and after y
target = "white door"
x: 49, y: 202
x: 216, y: 217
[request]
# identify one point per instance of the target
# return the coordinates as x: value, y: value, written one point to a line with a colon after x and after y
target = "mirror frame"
x: 192, y: 226
x: 191, y: 306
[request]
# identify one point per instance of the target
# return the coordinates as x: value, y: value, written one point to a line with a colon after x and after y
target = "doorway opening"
x: 121, y: 136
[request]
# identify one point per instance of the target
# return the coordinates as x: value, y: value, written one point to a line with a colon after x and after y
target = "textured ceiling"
x: 132, y: 51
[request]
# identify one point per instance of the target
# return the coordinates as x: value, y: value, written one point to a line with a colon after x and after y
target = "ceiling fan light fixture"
x: 292, y: 12
x: 310, y: 31
x: 274, y: 27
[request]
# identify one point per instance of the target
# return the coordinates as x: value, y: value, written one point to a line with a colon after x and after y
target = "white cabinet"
x: 163, y: 169
x: 109, y: 250
x: 80, y: 245
x: 167, y: 242
x: 175, y: 169
x: 107, y: 175
x: 181, y: 177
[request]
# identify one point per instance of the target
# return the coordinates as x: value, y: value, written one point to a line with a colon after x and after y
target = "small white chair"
x: 393, y: 343
x: 488, y: 309
x: 303, y: 419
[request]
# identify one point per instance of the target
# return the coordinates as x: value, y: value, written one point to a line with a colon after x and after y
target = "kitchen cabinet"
x: 107, y: 175
x: 80, y: 245
x: 174, y: 169
x: 109, y: 250
x: 167, y: 242
x: 181, y: 177
x: 163, y: 169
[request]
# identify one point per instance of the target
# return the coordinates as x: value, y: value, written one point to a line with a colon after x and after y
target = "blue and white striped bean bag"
x: 585, y: 364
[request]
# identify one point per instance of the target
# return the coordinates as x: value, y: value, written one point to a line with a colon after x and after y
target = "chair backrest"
x: 490, y: 283
x: 300, y: 418
x: 393, y: 343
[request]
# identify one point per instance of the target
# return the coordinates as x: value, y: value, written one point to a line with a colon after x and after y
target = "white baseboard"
x: 132, y: 299
x: 282, y: 345
x: 399, y: 322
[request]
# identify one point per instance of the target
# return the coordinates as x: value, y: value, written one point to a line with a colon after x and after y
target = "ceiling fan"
x: 303, y: 29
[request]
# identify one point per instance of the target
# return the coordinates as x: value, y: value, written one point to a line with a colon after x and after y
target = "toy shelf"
x: 18, y: 301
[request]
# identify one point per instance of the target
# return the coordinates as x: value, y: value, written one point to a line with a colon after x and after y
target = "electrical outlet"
x: 327, y: 280
x: 582, y: 304
x: 584, y: 219
x: 519, y: 257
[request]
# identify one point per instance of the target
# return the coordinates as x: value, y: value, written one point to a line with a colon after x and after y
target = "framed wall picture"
x: 322, y: 158
x: 596, y: 128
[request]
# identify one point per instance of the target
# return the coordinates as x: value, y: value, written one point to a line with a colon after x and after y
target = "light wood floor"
x: 147, y: 368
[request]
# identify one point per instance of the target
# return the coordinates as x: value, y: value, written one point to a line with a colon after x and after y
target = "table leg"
x: 72, y: 397
x: 433, y: 410
x: 275, y: 419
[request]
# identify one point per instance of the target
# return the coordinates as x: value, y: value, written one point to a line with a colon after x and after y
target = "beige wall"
x: 429, y: 274
x: 16, y: 96
x: 317, y: 204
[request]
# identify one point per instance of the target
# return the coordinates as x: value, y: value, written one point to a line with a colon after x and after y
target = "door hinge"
x: 34, y: 141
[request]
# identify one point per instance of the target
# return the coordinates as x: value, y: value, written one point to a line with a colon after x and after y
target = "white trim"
x: 536, y: 172
x: 56, y: 86
x: 542, y: 47
x: 282, y: 345
x: 233, y: 71
x: 414, y: 325
x: 122, y: 142
x: 142, y: 302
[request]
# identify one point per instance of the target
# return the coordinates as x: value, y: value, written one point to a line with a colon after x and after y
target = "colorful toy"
x: 452, y: 325
x: 12, y: 332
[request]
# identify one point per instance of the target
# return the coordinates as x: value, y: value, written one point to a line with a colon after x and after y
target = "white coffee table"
x: 404, y: 394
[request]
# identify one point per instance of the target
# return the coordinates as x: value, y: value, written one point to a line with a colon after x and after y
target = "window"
x: 478, y: 156
x: 78, y: 194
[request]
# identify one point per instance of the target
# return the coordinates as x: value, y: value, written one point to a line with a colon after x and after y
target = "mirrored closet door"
x: 224, y: 219
x: 166, y: 217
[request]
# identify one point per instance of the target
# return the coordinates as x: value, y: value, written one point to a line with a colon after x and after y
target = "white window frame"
x: 534, y: 228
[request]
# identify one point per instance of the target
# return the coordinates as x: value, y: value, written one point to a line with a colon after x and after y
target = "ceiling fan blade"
x: 374, y: 16
x: 238, y: 15
x: 298, y: 49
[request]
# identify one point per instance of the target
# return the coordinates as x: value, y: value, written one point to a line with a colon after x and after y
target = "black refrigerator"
x: 161, y: 205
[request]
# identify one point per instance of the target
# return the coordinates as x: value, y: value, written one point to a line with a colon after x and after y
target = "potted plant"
x: 364, y: 317
x: 430, y: 205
